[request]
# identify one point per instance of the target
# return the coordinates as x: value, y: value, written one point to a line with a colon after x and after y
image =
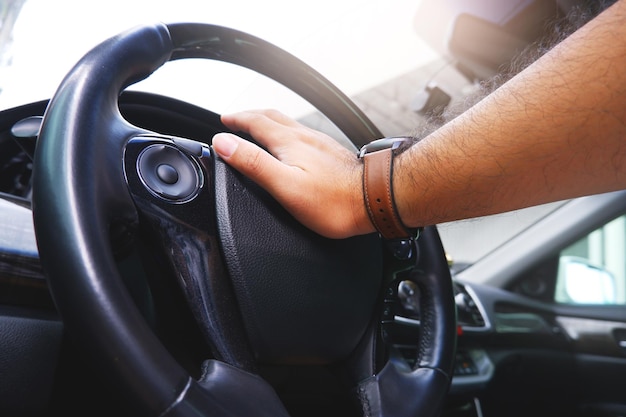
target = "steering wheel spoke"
x: 171, y: 183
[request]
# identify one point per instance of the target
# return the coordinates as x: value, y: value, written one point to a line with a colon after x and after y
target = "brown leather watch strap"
x: 378, y: 194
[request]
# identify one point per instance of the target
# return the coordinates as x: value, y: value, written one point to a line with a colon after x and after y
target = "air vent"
x: 468, y: 312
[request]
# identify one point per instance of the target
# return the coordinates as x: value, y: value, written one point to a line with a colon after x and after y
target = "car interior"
x: 140, y: 275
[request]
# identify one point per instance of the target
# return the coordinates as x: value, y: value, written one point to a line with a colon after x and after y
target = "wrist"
x: 362, y: 223
x: 401, y: 180
x: 378, y: 189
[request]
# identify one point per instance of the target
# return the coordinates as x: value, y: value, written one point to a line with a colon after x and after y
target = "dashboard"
x: 505, y: 337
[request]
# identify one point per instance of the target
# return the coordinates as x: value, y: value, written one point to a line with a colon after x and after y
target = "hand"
x: 315, y: 178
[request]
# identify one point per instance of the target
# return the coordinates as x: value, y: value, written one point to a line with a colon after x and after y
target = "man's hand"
x: 315, y: 178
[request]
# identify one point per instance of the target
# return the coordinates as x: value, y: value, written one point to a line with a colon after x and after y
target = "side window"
x: 593, y: 270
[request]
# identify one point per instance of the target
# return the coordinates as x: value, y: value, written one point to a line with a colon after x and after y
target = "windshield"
x: 356, y: 44
x: 370, y: 49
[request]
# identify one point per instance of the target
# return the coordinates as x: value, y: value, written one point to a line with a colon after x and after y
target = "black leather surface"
x: 231, y: 392
x: 29, y: 352
x: 307, y: 299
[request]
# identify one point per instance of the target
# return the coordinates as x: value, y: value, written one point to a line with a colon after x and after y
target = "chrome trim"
x: 406, y: 320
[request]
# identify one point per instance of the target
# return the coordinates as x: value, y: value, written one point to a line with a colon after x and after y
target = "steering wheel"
x: 262, y: 288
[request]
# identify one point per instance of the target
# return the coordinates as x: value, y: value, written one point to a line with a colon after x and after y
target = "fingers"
x: 247, y: 120
x: 249, y: 159
x: 287, y: 140
x: 271, y: 128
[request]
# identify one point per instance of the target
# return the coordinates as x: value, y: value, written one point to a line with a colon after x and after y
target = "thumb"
x: 248, y: 158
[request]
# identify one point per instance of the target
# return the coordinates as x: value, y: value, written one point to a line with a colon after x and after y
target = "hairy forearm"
x: 557, y: 130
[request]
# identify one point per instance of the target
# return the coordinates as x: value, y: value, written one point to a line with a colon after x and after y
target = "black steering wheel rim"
x: 74, y: 209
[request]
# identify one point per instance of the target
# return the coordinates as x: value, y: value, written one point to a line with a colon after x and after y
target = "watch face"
x: 385, y: 143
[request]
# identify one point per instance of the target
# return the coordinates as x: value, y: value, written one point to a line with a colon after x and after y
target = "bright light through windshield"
x: 355, y: 43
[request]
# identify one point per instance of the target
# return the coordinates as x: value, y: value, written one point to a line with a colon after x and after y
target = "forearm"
x: 555, y: 131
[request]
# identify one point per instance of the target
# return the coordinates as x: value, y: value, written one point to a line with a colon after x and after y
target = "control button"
x: 409, y: 296
x: 388, y: 312
x: 384, y: 333
x: 391, y: 294
x: 464, y: 365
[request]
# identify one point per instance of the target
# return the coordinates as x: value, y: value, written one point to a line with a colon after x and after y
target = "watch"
x: 377, y: 187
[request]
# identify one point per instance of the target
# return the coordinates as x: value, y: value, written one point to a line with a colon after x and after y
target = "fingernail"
x: 224, y: 144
